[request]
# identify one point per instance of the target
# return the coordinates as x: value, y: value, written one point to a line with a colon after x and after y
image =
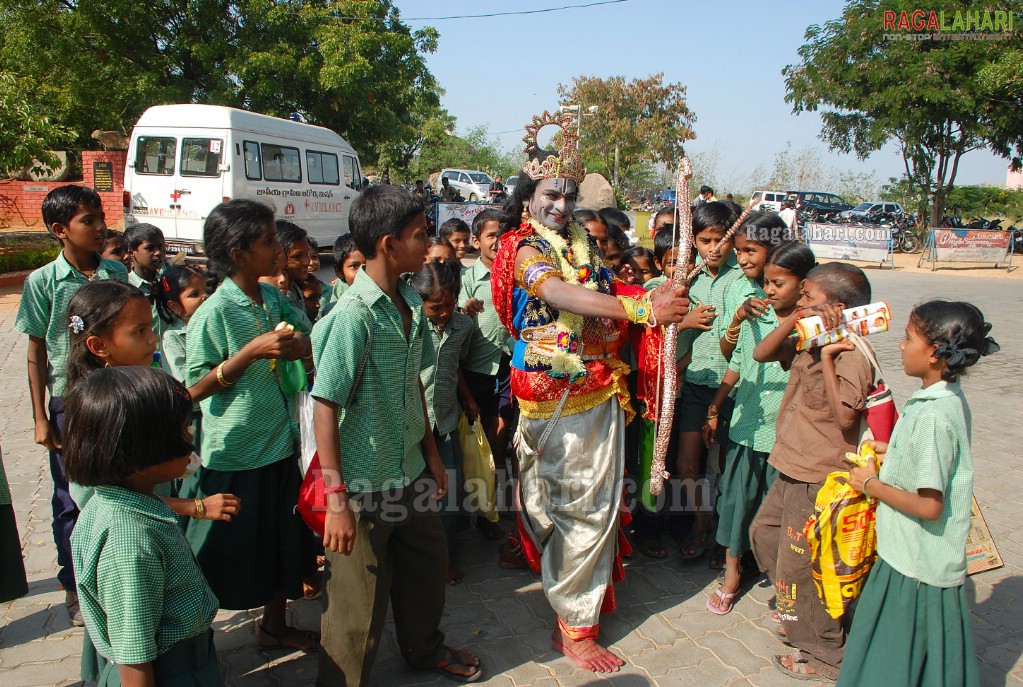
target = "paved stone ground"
x: 663, y: 629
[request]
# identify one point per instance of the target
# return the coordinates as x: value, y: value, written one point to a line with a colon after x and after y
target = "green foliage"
x: 636, y: 121
x: 349, y: 65
x: 929, y: 96
x: 16, y: 261
x: 27, y: 134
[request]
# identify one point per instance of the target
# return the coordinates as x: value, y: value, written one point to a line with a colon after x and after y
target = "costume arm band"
x: 535, y: 271
x: 638, y: 310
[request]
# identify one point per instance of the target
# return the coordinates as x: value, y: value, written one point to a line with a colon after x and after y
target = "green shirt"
x: 140, y: 587
x: 338, y: 290
x: 149, y: 289
x: 929, y: 449
x: 43, y: 310
x: 490, y: 343
x: 250, y: 423
x: 761, y: 386
x: 708, y: 366
x: 173, y: 344
x: 381, y: 421
x: 443, y: 352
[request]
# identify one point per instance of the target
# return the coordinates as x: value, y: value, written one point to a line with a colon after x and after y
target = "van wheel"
x: 473, y: 198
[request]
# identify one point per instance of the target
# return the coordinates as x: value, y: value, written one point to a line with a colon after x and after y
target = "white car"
x: 876, y: 207
x: 769, y: 200
x: 472, y: 184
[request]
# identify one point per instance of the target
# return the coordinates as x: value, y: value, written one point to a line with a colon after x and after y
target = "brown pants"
x: 782, y: 552
x: 401, y: 561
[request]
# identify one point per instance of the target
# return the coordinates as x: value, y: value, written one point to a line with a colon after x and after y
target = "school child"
x: 146, y: 248
x: 13, y: 582
x: 775, y: 274
x: 234, y: 352
x: 438, y: 249
x: 664, y: 217
x: 912, y: 621
x: 706, y: 366
x: 446, y: 345
x: 348, y: 260
x: 487, y: 371
x: 640, y: 262
x: 313, y: 275
x: 114, y: 248
x: 294, y: 263
x: 146, y: 604
x: 312, y: 295
x: 180, y: 292
x: 665, y: 255
x: 617, y: 244
x: 595, y: 226
x: 383, y: 543
x: 456, y: 233
x: 818, y: 423
x: 74, y: 217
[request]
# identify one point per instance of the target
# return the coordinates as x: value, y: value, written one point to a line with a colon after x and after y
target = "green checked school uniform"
x: 143, y: 596
x: 747, y: 477
x: 43, y: 310
x: 248, y: 446
x: 491, y: 344
x: 149, y: 289
x: 912, y: 622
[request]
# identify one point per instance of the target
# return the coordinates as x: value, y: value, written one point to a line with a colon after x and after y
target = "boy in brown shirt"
x: 819, y: 421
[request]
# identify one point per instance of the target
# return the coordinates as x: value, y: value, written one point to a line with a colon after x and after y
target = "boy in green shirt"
x: 74, y: 217
x: 380, y: 535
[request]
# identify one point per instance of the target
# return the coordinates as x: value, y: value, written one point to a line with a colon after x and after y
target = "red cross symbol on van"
x: 176, y: 196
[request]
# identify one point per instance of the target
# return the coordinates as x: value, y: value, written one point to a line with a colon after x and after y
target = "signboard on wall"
x: 967, y: 245
x: 850, y: 242
x: 103, y: 176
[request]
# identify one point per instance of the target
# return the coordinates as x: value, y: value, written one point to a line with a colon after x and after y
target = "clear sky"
x: 501, y: 71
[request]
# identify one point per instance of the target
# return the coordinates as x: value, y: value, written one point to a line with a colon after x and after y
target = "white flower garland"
x: 567, y: 359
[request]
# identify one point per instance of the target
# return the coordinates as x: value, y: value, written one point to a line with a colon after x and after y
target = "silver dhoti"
x: 569, y: 498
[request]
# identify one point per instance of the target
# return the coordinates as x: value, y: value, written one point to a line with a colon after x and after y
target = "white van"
x: 185, y: 159
x: 770, y: 200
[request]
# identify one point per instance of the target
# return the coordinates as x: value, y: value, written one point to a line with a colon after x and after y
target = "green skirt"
x: 744, y: 483
x: 189, y: 663
x: 909, y: 634
x: 13, y: 583
x: 265, y: 549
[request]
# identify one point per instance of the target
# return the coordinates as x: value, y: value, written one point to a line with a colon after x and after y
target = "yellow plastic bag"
x: 477, y: 468
x: 843, y: 543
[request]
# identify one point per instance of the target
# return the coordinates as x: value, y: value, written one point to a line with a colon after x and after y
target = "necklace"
x: 575, y: 267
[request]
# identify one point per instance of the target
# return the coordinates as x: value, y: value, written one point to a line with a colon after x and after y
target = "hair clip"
x: 166, y: 285
x: 77, y: 324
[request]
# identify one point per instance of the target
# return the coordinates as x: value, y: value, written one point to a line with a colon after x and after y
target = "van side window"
x: 281, y: 163
x: 200, y: 157
x: 353, y: 179
x: 155, y: 155
x: 253, y: 169
x: 321, y: 168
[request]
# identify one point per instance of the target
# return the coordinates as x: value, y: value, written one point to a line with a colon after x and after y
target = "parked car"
x: 770, y: 200
x: 819, y: 201
x: 472, y: 184
x: 874, y: 207
x: 509, y: 186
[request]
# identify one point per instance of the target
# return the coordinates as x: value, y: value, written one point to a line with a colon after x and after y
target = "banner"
x: 464, y: 211
x: 850, y: 242
x: 967, y: 245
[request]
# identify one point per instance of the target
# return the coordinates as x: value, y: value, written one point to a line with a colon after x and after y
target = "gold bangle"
x: 220, y: 376
x: 732, y: 339
x: 200, y: 509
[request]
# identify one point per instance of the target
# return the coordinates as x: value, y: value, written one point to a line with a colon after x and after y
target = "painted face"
x: 353, y: 263
x: 917, y: 352
x: 812, y: 294
x: 86, y: 231
x: 782, y: 289
x: 191, y: 298
x: 459, y: 240
x: 441, y: 252
x: 642, y: 269
x: 439, y: 308
x: 297, y: 265
x: 705, y: 242
x: 487, y: 242
x: 751, y: 257
x: 131, y: 340
x: 553, y: 202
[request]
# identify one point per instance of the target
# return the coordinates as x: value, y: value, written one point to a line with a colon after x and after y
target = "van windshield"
x: 480, y: 177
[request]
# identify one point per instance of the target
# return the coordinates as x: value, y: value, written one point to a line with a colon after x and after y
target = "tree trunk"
x: 614, y: 183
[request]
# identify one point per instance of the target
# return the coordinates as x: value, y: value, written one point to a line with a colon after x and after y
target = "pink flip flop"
x: 723, y: 598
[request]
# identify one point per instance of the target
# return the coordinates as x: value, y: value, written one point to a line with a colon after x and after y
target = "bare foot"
x: 455, y: 575
x: 586, y: 653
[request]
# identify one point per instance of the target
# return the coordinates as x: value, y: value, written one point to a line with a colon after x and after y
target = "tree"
x: 27, y: 135
x: 636, y: 121
x: 927, y: 95
x: 350, y: 65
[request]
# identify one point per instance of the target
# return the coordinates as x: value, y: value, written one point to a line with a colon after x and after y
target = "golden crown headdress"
x: 566, y: 163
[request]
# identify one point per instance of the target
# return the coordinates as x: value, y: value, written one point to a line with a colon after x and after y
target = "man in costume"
x: 569, y: 315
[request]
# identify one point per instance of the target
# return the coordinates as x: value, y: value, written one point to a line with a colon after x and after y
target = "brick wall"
x: 21, y: 201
